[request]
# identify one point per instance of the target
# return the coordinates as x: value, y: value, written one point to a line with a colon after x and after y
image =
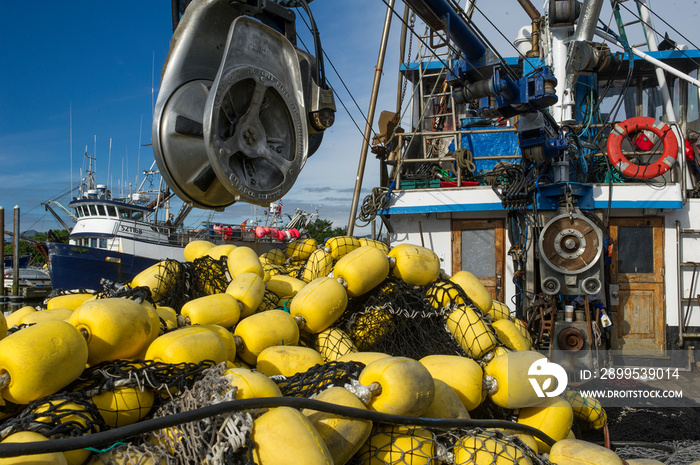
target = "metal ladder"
x: 684, y: 312
x: 433, y: 88
x: 621, y: 25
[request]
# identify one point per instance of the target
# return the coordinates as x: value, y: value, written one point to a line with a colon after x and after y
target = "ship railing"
x: 399, y: 162
x: 405, y: 140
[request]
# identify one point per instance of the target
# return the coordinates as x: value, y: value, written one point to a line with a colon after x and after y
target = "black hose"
x: 107, y: 438
x: 175, y: 12
x: 318, y: 49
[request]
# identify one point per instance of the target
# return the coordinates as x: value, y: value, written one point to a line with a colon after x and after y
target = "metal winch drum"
x: 240, y: 107
x: 570, y: 248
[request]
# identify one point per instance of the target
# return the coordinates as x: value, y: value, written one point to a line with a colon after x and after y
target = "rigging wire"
x: 637, y: 16
x: 435, y: 55
x: 320, y: 69
x: 342, y: 82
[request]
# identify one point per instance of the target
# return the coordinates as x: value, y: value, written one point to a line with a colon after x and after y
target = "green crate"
x: 420, y: 183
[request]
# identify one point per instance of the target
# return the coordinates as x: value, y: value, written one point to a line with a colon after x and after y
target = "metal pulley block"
x: 240, y: 108
x: 255, y: 130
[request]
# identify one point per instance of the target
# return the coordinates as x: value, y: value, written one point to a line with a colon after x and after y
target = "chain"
x: 408, y: 55
x: 569, y: 203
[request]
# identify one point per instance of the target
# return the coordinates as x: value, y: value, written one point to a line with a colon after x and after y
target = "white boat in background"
x: 116, y: 238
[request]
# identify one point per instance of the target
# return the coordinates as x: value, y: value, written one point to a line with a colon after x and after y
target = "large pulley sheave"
x: 230, y: 122
x: 570, y: 244
x: 254, y: 132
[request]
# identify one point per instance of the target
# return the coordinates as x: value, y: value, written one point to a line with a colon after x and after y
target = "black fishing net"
x: 668, y: 452
x: 272, y: 269
x: 172, y: 277
x: 166, y: 379
x: 115, y: 290
x: 178, y: 283
x: 66, y: 414
x: 400, y: 319
x: 398, y: 444
x: 59, y: 292
x: 306, y: 339
x: 295, y: 269
x: 319, y: 264
x: 319, y: 378
x: 16, y: 328
x: 340, y: 246
x: 269, y: 301
x: 333, y: 343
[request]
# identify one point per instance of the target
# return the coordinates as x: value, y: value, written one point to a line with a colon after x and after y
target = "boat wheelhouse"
x: 114, y: 239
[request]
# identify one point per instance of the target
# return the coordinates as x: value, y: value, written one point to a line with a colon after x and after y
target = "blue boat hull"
x: 75, y: 267
x: 23, y: 261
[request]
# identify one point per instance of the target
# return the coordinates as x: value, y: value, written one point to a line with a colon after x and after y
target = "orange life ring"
x: 642, y: 123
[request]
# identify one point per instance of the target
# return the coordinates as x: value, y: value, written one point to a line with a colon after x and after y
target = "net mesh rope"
x: 400, y: 319
x: 318, y: 378
x: 405, y: 444
x: 76, y: 410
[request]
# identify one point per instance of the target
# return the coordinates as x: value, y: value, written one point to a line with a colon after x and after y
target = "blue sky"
x: 96, y: 60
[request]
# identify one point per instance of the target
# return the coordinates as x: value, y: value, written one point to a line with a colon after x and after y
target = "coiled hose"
x: 371, y: 205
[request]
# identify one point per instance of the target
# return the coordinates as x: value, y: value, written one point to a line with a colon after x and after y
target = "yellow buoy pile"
x: 271, y: 321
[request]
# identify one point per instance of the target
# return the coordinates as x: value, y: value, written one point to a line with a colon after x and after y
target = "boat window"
x: 93, y: 242
x: 635, y: 249
x: 78, y: 212
x: 93, y: 210
x: 611, y: 101
x: 478, y: 252
x: 693, y: 98
x: 676, y: 97
x: 652, y: 102
x: 136, y: 215
x: 101, y: 210
x: 103, y: 243
x: 124, y: 213
x: 111, y: 211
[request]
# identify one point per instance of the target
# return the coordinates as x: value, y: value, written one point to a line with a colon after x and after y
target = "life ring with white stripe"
x: 635, y: 125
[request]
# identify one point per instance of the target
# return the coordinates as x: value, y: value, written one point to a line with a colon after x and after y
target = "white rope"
x: 361, y: 391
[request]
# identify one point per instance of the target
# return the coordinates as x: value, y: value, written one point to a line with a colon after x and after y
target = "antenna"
x: 109, y: 163
x: 138, y: 156
x: 153, y: 68
x: 70, y: 123
x: 94, y: 152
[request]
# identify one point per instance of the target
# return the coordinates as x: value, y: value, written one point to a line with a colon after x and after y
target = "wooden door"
x: 478, y: 247
x: 639, y: 321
